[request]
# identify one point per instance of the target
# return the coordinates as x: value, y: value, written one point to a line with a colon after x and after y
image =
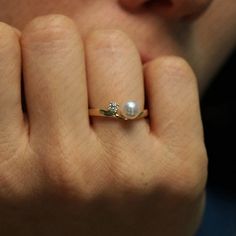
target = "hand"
x: 63, y: 173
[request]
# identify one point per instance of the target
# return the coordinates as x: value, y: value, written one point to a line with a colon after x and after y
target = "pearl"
x: 130, y: 110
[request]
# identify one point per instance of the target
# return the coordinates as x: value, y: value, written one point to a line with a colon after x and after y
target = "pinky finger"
x: 173, y: 99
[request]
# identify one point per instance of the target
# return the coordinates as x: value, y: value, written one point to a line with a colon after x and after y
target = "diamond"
x: 113, y: 107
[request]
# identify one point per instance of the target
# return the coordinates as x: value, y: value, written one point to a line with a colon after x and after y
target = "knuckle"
x: 67, y: 180
x: 19, y: 180
x: 168, y: 61
x: 184, y: 179
x: 8, y: 36
x: 108, y: 40
x: 48, y: 22
x: 60, y: 177
x: 134, y: 179
x: 49, y: 29
x: 68, y: 174
x: 171, y: 67
x: 56, y: 164
x: 189, y: 182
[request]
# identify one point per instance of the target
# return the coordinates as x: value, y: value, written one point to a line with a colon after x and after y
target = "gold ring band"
x: 131, y: 112
x: 97, y: 112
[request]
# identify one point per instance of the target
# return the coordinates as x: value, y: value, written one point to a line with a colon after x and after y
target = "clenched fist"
x: 63, y: 172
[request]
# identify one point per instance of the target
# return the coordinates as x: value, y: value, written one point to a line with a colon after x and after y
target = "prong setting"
x: 129, y: 111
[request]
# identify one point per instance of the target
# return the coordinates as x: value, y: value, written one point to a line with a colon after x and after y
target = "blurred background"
x: 219, y: 119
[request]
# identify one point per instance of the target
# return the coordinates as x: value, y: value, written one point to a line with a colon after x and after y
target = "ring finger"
x: 114, y: 73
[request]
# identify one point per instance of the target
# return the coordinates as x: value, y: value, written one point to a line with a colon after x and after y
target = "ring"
x: 130, y: 111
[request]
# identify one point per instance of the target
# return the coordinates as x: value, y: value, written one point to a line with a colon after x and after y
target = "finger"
x: 54, y: 74
x: 173, y: 99
x: 114, y: 72
x: 11, y: 114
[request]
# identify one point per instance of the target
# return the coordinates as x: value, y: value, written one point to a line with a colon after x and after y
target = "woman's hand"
x: 63, y: 173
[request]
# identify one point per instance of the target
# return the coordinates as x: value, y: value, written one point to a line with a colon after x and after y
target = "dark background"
x: 218, y: 108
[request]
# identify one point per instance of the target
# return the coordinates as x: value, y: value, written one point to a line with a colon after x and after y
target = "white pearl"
x: 130, y: 110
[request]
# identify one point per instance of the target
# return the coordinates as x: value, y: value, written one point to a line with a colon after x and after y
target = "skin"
x: 63, y: 173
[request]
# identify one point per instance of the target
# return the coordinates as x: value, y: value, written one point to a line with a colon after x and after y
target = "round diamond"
x: 113, y: 107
